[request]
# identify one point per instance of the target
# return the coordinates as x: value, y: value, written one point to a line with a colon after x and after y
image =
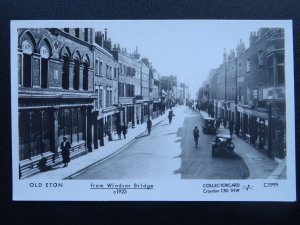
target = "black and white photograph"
x: 187, y: 110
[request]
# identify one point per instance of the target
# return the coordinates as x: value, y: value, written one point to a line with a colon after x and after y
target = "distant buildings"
x: 248, y: 88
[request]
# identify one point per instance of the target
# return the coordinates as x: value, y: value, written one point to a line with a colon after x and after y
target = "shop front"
x: 42, y: 128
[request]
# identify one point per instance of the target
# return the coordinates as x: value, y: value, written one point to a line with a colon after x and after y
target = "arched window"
x: 76, y: 74
x: 65, y: 72
x: 45, y: 54
x: 85, y: 76
x: 27, y: 48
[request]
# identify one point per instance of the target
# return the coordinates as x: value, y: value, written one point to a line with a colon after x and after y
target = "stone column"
x: 89, y: 129
x: 81, y: 77
x: 55, y: 134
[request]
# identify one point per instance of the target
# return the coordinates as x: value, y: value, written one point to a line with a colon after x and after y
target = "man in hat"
x: 65, y: 147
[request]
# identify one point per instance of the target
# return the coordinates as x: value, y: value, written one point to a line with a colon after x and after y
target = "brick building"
x: 248, y: 89
x: 156, y: 93
x: 106, y: 89
x: 56, y: 94
x: 129, y: 87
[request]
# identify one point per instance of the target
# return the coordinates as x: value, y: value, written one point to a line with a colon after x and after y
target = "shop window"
x: 35, y: 134
x: 24, y: 135
x: 61, y: 124
x: 100, y: 97
x: 80, y: 125
x: 74, y: 125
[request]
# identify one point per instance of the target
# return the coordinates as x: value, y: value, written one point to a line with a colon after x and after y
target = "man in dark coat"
x: 149, y: 125
x: 65, y: 147
x: 119, y: 131
x: 196, y: 135
x: 124, y: 130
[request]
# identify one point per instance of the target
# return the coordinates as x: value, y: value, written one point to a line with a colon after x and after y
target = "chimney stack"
x: 253, y: 38
x: 105, y: 30
x: 99, y: 38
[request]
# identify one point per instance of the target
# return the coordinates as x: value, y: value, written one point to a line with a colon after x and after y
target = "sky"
x: 188, y: 49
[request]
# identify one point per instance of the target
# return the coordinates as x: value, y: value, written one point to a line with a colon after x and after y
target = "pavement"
x: 259, y: 165
x: 109, y: 149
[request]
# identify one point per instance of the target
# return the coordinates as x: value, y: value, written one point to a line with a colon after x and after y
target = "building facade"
x: 129, y: 86
x: 56, y: 94
x: 248, y: 89
x: 106, y: 88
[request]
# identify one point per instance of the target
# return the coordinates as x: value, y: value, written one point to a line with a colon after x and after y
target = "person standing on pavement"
x: 170, y: 116
x: 124, y: 130
x: 149, y: 125
x: 65, y: 147
x: 119, y: 131
x: 196, y: 135
x: 224, y: 122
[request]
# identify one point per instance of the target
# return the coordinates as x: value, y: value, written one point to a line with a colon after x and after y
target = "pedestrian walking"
x: 218, y: 122
x: 65, y: 147
x: 124, y: 130
x: 196, y: 135
x: 224, y: 122
x: 170, y: 116
x: 149, y: 125
x: 119, y: 131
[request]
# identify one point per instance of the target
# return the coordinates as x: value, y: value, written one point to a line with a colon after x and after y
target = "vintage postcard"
x: 153, y: 110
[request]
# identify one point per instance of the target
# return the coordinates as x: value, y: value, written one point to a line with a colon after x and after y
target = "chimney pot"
x: 105, y: 34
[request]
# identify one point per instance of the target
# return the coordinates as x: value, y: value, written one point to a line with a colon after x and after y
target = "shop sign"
x: 262, y: 115
x: 128, y: 100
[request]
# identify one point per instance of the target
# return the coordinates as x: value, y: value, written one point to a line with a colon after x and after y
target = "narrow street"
x: 169, y: 153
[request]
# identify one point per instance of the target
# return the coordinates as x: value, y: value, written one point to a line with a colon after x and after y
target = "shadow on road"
x: 142, y: 135
x: 170, y: 133
x: 198, y: 163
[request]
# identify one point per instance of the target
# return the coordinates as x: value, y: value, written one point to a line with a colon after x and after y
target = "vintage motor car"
x: 209, y: 126
x: 222, y: 144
